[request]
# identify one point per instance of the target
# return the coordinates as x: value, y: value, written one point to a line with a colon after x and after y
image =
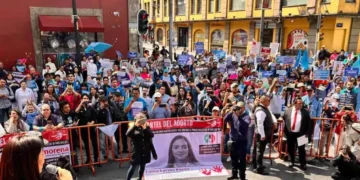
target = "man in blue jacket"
x: 239, y: 121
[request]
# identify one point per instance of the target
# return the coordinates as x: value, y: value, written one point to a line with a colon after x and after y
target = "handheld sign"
x: 266, y: 74
x: 132, y: 55
x: 167, y: 62
x: 351, y: 72
x: 259, y: 60
x: 143, y: 62
x: 321, y: 75
x: 222, y: 68
x: 183, y: 59
x: 288, y: 60
x: 199, y: 47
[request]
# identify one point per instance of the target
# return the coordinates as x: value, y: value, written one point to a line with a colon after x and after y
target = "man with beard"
x: 208, y: 101
x: 234, y: 95
x: 213, y: 72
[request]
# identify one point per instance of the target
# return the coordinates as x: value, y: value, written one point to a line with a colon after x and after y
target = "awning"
x: 64, y: 24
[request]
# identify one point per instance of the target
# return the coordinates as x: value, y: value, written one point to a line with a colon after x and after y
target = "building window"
x: 236, y: 5
x: 199, y: 4
x: 258, y: 4
x: 180, y: 7
x: 193, y: 6
x: 218, y: 5
x: 199, y: 36
x: 295, y: 2
x: 350, y: 1
x: 211, y: 6
x: 158, y: 7
x: 217, y: 40
x: 240, y: 38
x: 159, y: 36
x: 166, y: 3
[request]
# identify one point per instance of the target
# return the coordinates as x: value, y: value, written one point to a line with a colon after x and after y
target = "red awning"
x: 64, y: 24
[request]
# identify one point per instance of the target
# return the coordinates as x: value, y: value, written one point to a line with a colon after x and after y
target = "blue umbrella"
x: 98, y: 47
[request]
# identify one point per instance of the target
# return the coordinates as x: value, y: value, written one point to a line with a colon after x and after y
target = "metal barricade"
x: 321, y: 138
x: 92, y: 135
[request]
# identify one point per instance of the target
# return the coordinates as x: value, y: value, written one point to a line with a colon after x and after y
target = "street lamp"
x: 75, y: 18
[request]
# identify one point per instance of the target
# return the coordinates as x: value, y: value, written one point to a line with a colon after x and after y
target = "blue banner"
x: 351, y: 72
x: 199, y: 47
x: 132, y: 54
x: 321, y: 75
x: 266, y: 74
x: 183, y: 59
x: 288, y: 60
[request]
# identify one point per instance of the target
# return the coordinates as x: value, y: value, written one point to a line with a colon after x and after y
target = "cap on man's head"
x: 233, y: 85
x: 240, y: 104
x: 300, y: 85
x: 309, y: 88
x: 254, y: 70
x: 157, y: 94
x: 215, y: 108
x: 117, y: 94
x: 236, y: 108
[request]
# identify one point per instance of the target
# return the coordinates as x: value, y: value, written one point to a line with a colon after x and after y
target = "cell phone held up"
x: 162, y: 105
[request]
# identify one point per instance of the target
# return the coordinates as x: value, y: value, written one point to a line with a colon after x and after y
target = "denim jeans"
x: 103, y: 145
x: 250, y: 137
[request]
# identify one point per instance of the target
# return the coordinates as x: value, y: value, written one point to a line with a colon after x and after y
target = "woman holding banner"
x: 181, y: 153
x: 141, y: 145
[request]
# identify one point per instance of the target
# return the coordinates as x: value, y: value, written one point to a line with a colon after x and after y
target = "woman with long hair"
x: 181, y: 153
x: 23, y: 158
x: 188, y: 108
x: 50, y: 89
x: 78, y: 75
x: 15, y: 124
x: 181, y: 97
x: 141, y: 145
x: 93, y: 96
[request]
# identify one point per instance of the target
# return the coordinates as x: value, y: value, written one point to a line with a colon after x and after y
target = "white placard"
x: 274, y: 48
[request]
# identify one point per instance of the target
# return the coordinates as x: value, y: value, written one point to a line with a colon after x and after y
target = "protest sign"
x: 351, y: 72
x: 132, y: 55
x: 321, y: 75
x: 229, y: 60
x: 288, y: 60
x: 183, y: 59
x: 199, y: 47
x: 265, y: 50
x: 281, y: 72
x: 118, y: 53
x: 219, y: 53
x: 222, y: 67
x: 238, y: 57
x: 202, y: 70
x: 167, y: 62
x: 274, y: 48
x: 259, y: 60
x: 281, y: 78
x: 58, y: 144
x: 338, y: 67
x: 266, y: 74
x: 280, y: 59
x: 311, y: 60
x: 143, y: 62
x: 255, y: 48
x: 202, y: 158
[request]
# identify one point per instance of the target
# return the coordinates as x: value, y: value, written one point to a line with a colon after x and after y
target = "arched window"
x: 159, y: 35
x: 239, y: 41
x: 217, y: 40
x: 199, y: 36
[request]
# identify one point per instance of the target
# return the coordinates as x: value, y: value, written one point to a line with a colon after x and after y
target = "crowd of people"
x: 235, y: 88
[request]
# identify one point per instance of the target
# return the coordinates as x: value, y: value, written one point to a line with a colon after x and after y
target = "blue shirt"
x: 76, y: 85
x: 132, y: 110
x: 118, y: 89
x: 239, y: 126
x: 313, y: 104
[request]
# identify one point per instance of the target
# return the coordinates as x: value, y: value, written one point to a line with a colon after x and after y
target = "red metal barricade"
x: 92, y: 133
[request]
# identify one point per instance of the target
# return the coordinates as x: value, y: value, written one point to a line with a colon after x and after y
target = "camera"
x: 162, y: 105
x: 348, y: 108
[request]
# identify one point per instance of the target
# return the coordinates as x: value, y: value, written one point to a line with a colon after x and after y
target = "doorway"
x: 183, y: 36
x: 267, y: 37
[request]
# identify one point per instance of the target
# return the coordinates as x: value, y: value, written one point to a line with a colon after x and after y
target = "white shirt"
x: 275, y: 103
x: 260, y: 117
x: 91, y: 69
x: 298, y: 120
x: 52, y: 66
x: 62, y: 74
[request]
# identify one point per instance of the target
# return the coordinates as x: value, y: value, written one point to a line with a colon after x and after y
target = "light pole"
x: 75, y: 18
x: 262, y: 21
x: 171, y: 33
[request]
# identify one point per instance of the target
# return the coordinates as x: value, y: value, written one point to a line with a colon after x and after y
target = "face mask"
x: 92, y: 61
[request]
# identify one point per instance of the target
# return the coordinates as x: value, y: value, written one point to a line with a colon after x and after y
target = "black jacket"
x: 141, y: 145
x: 86, y: 115
x: 120, y: 114
x: 306, y: 122
x: 103, y: 116
x: 347, y: 168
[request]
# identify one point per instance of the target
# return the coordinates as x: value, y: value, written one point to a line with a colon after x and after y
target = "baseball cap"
x: 253, y: 70
x: 157, y: 94
x: 215, y: 108
x: 300, y: 85
x: 234, y: 85
x: 240, y: 104
x: 236, y: 108
x: 308, y: 88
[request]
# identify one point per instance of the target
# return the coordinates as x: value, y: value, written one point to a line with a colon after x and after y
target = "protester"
x: 141, y: 145
x: 6, y: 96
x: 15, y: 124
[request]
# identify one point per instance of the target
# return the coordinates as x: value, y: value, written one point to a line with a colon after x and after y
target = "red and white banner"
x: 58, y: 144
x: 186, y: 149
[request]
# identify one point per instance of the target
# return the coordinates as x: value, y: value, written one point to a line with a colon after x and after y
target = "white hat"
x: 300, y: 85
x: 239, y: 69
x: 215, y: 108
x: 322, y: 88
x: 157, y: 94
x: 234, y: 85
x: 254, y: 70
x: 123, y: 67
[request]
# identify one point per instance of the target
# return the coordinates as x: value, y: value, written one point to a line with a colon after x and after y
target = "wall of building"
x: 16, y: 39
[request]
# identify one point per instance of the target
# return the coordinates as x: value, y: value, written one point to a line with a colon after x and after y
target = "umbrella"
x: 98, y: 47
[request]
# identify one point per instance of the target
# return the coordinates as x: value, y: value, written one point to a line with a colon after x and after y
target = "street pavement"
x: 278, y: 171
